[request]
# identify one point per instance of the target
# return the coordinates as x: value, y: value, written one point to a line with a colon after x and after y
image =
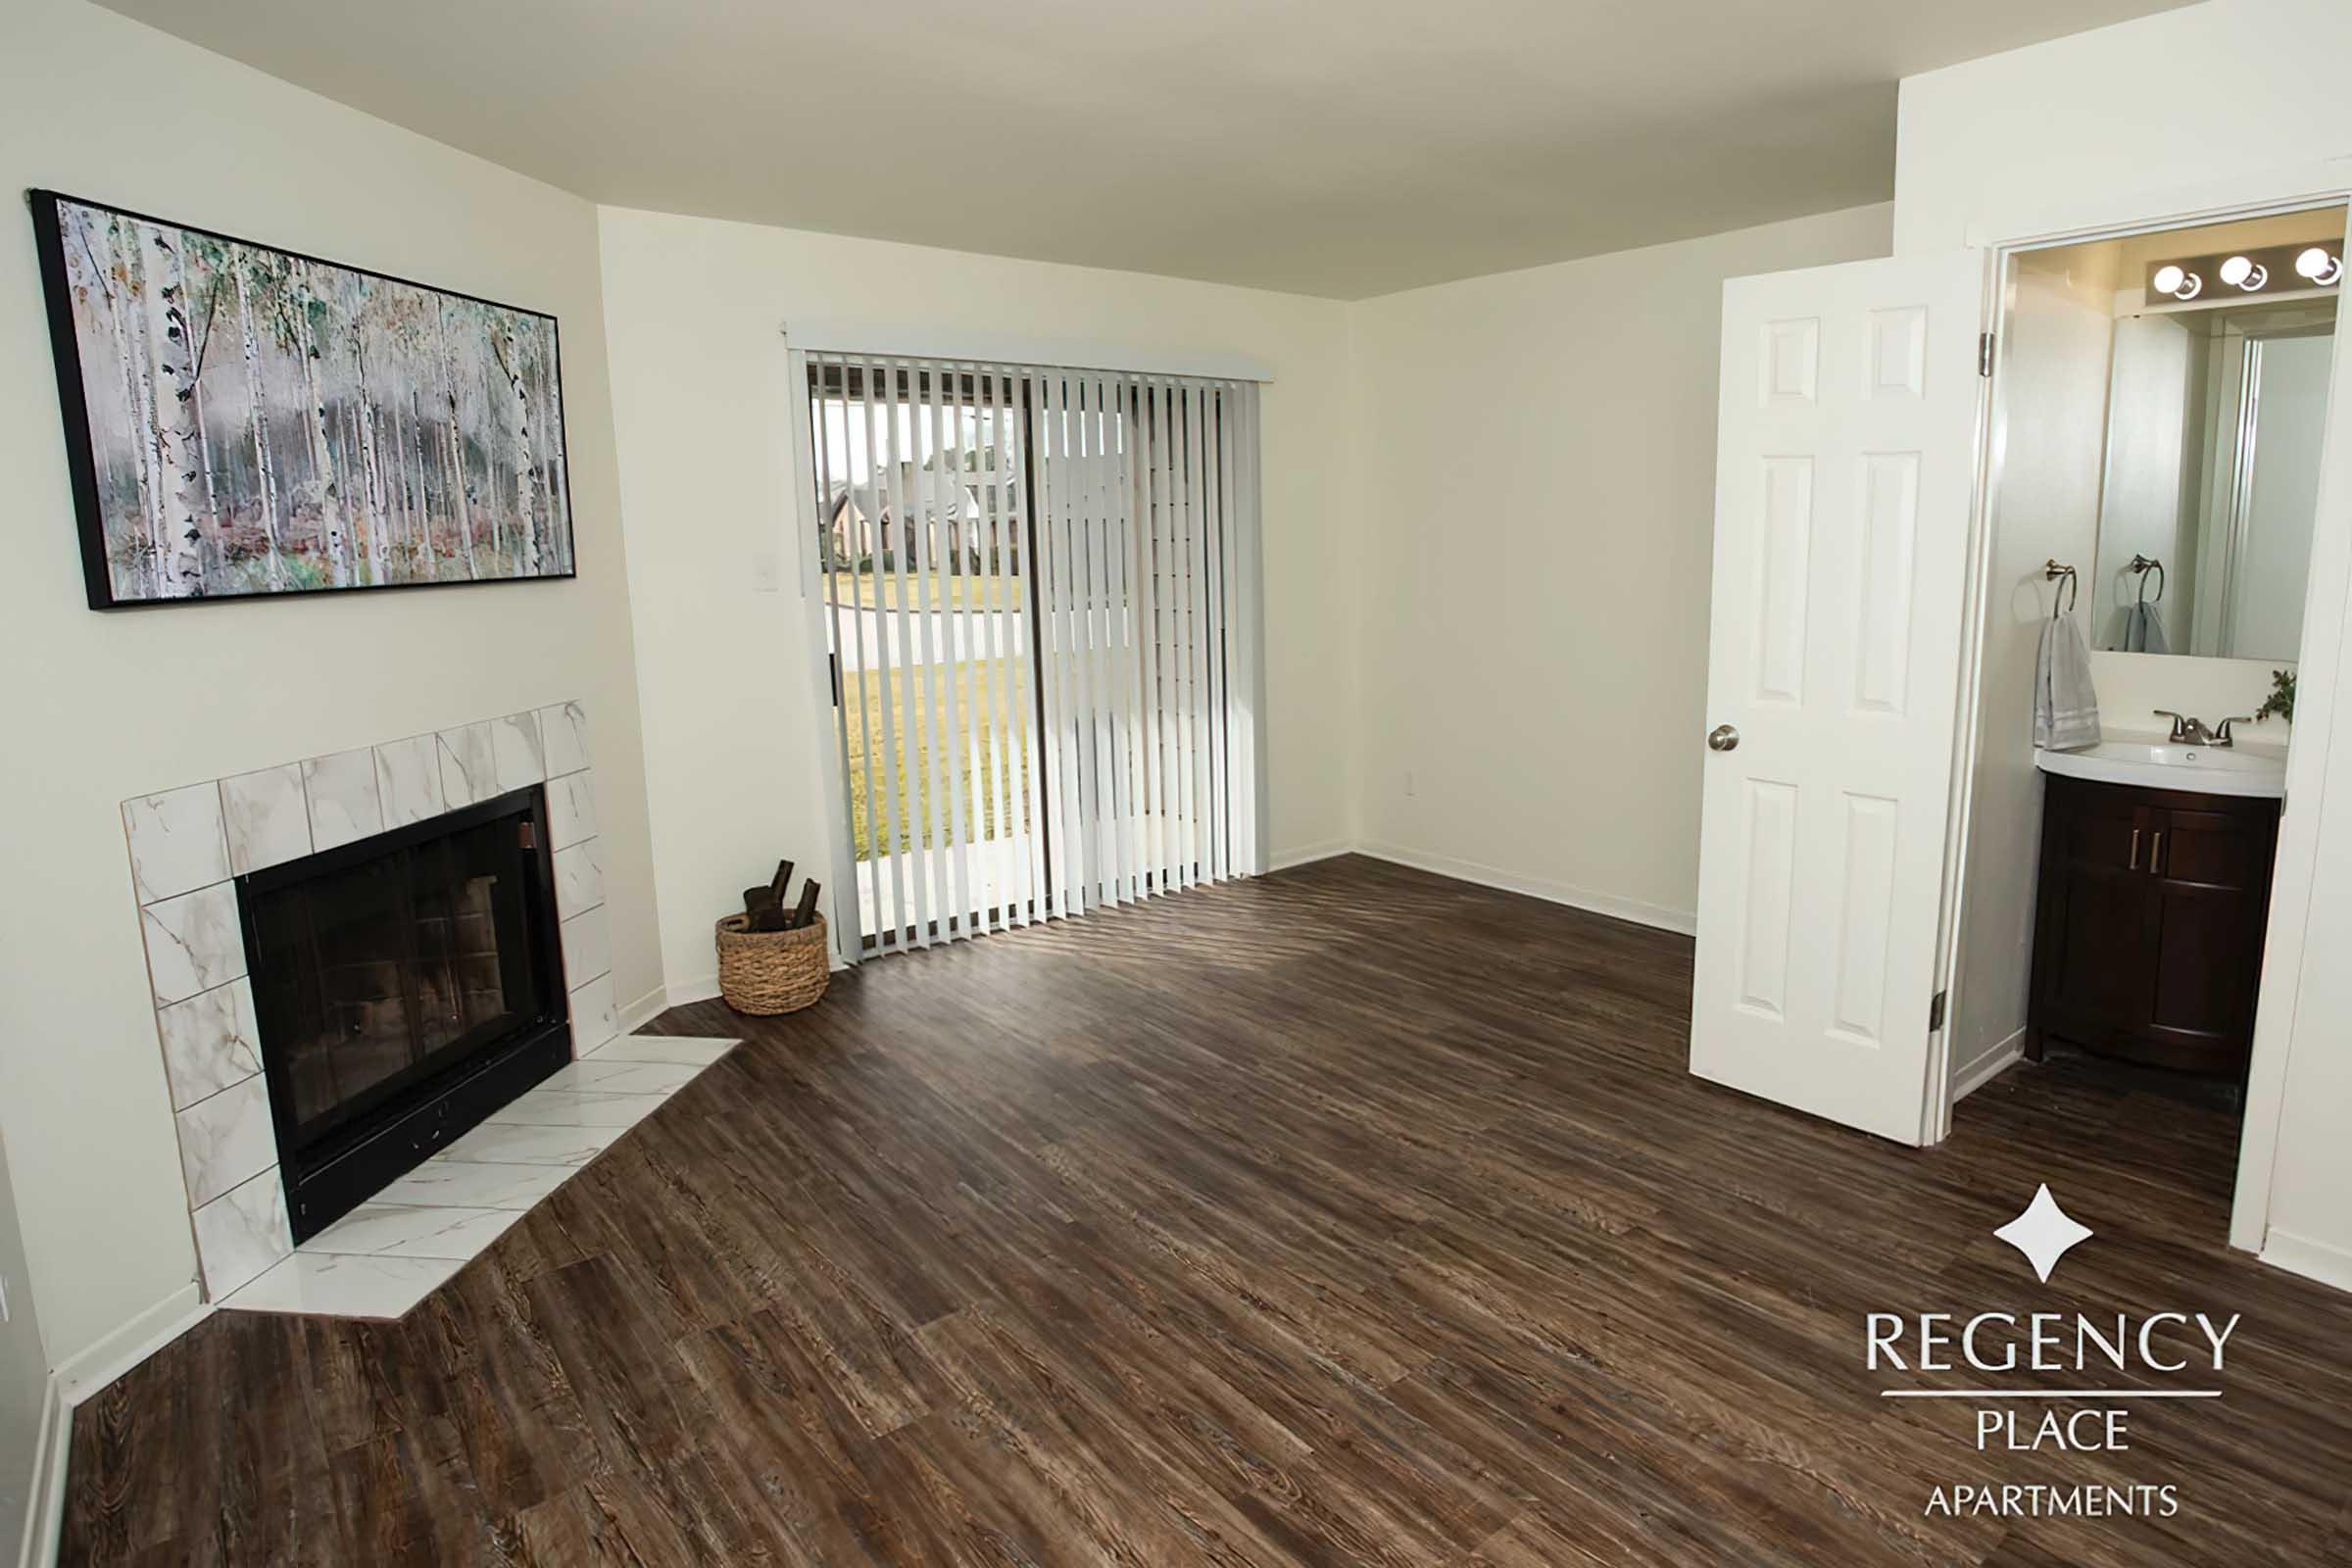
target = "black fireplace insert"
x: 406, y: 986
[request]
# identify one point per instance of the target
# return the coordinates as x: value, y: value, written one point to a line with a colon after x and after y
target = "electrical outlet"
x: 767, y: 572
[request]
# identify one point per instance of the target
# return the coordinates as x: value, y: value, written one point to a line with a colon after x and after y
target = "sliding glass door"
x: 1037, y: 590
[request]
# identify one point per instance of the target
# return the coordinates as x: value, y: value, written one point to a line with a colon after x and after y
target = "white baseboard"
x: 2314, y: 1261
x: 89, y: 1370
x: 678, y: 992
x: 1308, y: 853
x: 1988, y: 1065
x: 634, y: 1015
x: 1683, y: 923
x: 45, y: 1518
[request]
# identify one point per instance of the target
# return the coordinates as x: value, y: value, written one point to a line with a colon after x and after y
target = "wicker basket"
x: 766, y: 972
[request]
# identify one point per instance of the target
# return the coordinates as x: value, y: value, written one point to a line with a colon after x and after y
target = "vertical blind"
x: 1039, y: 592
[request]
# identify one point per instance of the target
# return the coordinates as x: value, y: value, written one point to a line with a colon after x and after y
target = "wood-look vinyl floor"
x: 1349, y: 1216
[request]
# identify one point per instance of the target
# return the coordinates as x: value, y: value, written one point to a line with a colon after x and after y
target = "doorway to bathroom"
x: 2159, y: 410
x: 1878, y: 575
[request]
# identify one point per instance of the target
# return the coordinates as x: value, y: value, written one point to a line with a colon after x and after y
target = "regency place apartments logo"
x: 2050, y: 1383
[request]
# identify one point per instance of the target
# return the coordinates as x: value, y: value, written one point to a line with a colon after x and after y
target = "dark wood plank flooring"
x: 1348, y: 1215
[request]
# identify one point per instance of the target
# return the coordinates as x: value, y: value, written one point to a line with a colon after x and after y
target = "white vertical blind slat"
x: 955, y: 631
x: 907, y: 655
x: 1188, y: 489
x: 889, y: 820
x: 939, y: 811
x: 1249, y: 715
x: 1025, y: 688
x: 1160, y: 454
x: 1229, y: 558
x: 1078, y: 463
x: 1065, y: 707
x: 996, y: 709
x: 1215, y: 863
x: 1077, y: 466
x: 1145, y: 629
x: 1197, y: 584
x: 1103, y: 655
x: 987, y: 665
x: 1124, y: 644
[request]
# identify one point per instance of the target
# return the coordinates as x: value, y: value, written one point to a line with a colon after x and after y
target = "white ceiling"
x: 1348, y: 148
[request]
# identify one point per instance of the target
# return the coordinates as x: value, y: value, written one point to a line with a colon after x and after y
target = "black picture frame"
x: 81, y: 447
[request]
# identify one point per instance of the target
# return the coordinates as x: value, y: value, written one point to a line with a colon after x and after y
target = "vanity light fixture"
x: 2315, y: 265
x: 2245, y: 272
x: 2262, y: 271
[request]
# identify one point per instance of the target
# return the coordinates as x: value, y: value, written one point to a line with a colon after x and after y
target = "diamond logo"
x: 2044, y: 1232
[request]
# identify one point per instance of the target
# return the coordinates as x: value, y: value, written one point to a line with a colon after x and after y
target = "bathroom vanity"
x: 2155, y: 881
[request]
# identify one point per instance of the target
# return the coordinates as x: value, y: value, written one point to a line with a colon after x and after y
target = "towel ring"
x: 2143, y: 565
x: 2052, y: 571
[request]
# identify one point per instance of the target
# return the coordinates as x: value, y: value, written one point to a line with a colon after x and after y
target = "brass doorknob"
x: 1723, y: 738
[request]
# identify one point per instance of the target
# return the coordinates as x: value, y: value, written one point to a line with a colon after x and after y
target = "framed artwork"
x: 244, y: 422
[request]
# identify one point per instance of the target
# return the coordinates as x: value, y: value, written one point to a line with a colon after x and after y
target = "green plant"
x: 2281, y: 699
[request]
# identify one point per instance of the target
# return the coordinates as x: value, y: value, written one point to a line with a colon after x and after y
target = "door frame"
x: 847, y: 936
x: 2328, y: 610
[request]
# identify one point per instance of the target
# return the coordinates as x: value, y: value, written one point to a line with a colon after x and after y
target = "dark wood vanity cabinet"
x: 2147, y: 937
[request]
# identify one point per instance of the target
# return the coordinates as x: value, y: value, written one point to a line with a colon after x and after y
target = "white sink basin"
x: 2155, y: 764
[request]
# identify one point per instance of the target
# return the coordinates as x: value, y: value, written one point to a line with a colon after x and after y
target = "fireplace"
x: 404, y: 986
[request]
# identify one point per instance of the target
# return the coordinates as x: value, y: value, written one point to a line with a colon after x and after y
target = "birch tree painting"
x: 257, y: 422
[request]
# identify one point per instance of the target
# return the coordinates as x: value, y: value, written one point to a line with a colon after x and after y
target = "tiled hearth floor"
x: 385, y: 1255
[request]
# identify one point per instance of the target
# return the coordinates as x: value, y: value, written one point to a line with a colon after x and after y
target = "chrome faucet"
x: 2188, y: 731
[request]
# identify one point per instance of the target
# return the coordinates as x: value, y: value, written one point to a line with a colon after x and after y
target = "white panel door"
x: 1845, y: 466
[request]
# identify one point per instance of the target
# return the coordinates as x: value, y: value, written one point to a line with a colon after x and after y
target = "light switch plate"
x: 767, y: 571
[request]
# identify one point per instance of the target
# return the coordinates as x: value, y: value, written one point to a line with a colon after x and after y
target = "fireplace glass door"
x: 375, y: 976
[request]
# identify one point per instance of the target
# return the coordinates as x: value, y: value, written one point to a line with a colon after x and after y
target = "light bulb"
x: 2180, y: 284
x: 2240, y: 272
x: 2319, y: 266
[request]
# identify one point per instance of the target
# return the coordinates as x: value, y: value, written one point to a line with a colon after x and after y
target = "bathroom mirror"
x: 2215, y: 412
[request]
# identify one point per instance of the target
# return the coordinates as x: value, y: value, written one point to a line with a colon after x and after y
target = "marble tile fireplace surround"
x: 188, y: 846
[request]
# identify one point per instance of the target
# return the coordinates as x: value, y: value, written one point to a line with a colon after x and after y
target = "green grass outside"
x: 988, y: 693
x: 870, y: 590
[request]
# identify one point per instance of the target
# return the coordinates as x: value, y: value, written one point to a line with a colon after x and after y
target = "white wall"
x: 106, y: 706
x: 2049, y: 441
x: 2236, y: 94
x: 1539, y: 473
x: 2163, y: 104
x: 23, y: 1379
x: 703, y: 409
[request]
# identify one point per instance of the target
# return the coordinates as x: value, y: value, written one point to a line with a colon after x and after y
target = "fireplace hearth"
x: 404, y: 986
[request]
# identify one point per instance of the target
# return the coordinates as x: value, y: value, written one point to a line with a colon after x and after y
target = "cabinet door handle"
x: 2134, y: 866
x: 2156, y: 853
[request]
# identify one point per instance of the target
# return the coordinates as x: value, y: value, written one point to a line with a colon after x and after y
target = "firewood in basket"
x: 761, y: 909
x: 804, y: 912
x: 783, y: 881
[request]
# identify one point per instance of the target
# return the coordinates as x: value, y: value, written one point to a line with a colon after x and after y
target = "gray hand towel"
x: 2143, y: 632
x: 2066, y: 710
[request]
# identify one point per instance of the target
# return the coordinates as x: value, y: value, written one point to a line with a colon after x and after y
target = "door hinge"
x: 526, y: 836
x: 1935, y: 1011
x: 1984, y: 354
